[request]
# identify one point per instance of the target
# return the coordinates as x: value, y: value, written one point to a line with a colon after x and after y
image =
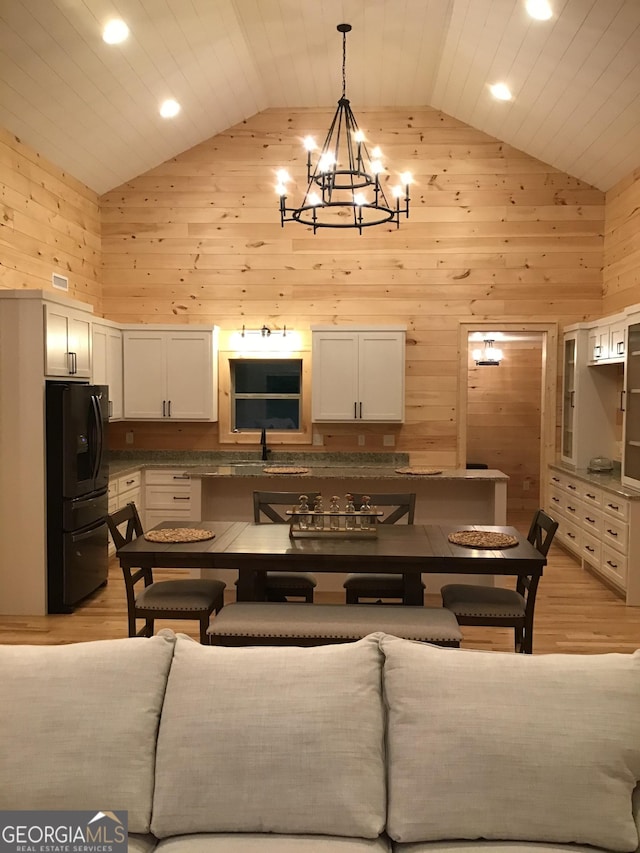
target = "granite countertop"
x: 231, y: 464
x: 609, y: 480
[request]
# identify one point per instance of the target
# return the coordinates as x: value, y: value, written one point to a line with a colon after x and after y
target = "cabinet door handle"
x: 169, y: 408
x: 73, y: 362
x: 572, y: 399
x: 620, y: 347
x: 355, y: 410
x: 110, y: 408
x: 360, y: 409
x: 164, y: 408
x: 597, y: 350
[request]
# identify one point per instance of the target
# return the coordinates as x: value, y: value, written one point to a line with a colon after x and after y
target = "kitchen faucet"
x: 263, y: 442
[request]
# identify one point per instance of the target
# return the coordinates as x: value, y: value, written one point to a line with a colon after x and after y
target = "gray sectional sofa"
x: 374, y: 746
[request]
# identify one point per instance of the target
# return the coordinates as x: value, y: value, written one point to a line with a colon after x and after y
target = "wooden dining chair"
x: 381, y: 586
x: 188, y: 598
x: 473, y: 604
x: 281, y: 586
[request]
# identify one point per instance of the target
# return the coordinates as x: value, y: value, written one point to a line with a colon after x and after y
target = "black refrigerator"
x: 77, y: 486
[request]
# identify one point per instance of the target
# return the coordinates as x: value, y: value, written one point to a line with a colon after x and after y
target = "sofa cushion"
x: 286, y: 740
x: 513, y: 747
x: 258, y: 843
x: 141, y: 843
x: 78, y: 725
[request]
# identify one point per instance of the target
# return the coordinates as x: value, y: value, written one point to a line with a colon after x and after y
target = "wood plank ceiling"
x: 92, y: 108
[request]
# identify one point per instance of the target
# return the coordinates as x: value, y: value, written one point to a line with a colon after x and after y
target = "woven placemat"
x: 482, y: 539
x: 418, y: 470
x: 285, y: 469
x: 179, y: 534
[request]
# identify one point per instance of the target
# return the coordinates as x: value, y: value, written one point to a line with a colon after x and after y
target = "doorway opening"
x: 508, y: 410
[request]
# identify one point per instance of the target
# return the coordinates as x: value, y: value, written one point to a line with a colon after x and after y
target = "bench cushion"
x: 267, y: 623
x: 283, y: 740
x: 265, y: 843
x: 513, y: 747
x: 78, y: 725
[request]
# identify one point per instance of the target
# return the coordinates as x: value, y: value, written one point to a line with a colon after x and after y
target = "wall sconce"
x: 490, y: 356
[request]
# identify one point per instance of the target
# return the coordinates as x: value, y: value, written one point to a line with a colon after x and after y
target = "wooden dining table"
x: 410, y: 550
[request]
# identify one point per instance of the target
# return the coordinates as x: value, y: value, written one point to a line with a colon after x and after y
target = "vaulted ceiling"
x: 92, y: 108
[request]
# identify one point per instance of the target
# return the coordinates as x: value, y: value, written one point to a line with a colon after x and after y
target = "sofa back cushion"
x: 512, y: 747
x: 287, y: 740
x: 78, y: 725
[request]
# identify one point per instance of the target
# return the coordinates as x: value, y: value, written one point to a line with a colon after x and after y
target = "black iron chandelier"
x: 344, y: 189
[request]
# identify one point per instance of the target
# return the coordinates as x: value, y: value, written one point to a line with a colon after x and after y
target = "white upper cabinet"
x: 67, y: 341
x: 607, y: 340
x: 107, y: 365
x: 358, y: 374
x: 170, y: 374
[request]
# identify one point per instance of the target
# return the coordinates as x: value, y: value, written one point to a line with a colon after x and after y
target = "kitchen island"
x: 222, y: 486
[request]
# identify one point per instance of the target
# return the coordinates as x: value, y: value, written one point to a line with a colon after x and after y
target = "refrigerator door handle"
x: 97, y: 462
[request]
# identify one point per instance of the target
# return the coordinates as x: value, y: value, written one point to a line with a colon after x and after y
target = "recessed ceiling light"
x: 539, y: 9
x: 115, y: 31
x: 501, y: 91
x: 169, y: 108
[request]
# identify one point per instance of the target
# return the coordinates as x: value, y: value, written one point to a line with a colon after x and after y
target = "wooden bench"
x: 253, y: 623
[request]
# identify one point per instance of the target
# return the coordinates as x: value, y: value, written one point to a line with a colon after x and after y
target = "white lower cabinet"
x: 170, y: 495
x: 600, y: 527
x: 122, y: 490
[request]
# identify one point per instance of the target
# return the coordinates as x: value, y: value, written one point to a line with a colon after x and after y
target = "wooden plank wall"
x: 621, y: 285
x: 503, y: 418
x: 493, y: 234
x: 49, y: 222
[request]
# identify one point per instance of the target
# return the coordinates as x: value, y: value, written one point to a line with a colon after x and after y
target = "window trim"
x: 226, y: 435
x: 265, y: 395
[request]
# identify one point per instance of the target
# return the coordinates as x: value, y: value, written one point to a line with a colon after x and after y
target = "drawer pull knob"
x: 556, y: 500
x: 556, y: 479
x: 611, y: 532
x: 571, y: 508
x: 613, y: 565
x: 572, y: 487
x: 613, y: 506
x: 593, y: 497
x: 589, y: 549
x: 571, y: 535
x: 129, y: 482
x: 590, y: 520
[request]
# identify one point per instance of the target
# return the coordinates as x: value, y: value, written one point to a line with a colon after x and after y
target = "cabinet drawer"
x: 167, y: 477
x: 615, y: 506
x: 615, y: 534
x: 569, y: 535
x: 591, y: 495
x: 556, y: 501
x: 112, y: 489
x: 591, y: 521
x: 129, y: 481
x: 614, y: 566
x: 566, y: 483
x: 591, y: 550
x: 168, y: 497
x: 573, y: 509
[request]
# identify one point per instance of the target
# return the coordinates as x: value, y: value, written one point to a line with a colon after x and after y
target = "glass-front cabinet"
x: 631, y: 456
x: 568, y: 397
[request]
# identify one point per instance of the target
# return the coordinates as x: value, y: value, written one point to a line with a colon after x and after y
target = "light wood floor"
x: 575, y: 613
